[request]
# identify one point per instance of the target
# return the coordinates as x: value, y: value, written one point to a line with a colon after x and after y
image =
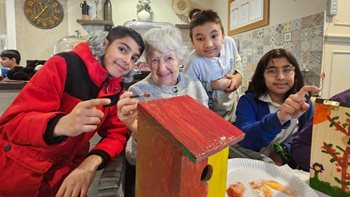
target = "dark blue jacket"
x: 259, y: 125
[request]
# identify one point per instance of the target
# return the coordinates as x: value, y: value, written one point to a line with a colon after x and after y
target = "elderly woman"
x: 164, y: 53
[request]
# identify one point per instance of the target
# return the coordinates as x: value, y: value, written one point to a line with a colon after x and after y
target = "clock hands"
x: 40, y: 13
x: 41, y: 5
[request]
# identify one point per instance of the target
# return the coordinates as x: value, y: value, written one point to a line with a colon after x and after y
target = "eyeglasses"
x: 273, y: 71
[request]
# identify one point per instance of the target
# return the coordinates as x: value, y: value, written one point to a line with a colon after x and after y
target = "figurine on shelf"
x: 144, y: 10
x: 85, y: 10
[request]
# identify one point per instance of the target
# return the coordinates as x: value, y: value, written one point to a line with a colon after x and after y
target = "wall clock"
x: 44, y: 14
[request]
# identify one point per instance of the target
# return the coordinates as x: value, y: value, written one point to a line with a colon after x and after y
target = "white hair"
x: 168, y: 38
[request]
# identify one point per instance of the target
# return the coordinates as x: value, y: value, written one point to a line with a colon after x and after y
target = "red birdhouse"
x: 182, y: 149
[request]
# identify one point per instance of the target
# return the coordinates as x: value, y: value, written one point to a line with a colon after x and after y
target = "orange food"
x: 260, y: 189
x: 279, y: 187
x: 235, y: 190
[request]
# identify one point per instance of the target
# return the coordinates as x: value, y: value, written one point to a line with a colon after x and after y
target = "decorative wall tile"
x: 288, y: 37
x: 318, y: 31
x: 302, y: 37
x: 296, y: 24
x: 307, y: 34
x: 316, y: 44
x: 287, y: 27
x: 316, y: 57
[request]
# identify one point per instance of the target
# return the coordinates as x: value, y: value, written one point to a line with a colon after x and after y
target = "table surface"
x: 7, y: 84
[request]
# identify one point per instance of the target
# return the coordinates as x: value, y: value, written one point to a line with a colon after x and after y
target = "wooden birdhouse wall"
x: 163, y: 169
x: 330, y: 150
x: 182, y: 149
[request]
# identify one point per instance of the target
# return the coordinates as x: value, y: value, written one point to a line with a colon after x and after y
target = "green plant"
x: 143, y: 5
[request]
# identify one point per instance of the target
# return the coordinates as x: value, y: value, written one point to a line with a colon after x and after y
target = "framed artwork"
x: 245, y: 15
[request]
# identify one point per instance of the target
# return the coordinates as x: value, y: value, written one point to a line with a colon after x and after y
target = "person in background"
x: 274, y: 106
x: 215, y: 62
x: 11, y: 59
x: 45, y: 132
x: 301, y: 143
x: 164, y: 53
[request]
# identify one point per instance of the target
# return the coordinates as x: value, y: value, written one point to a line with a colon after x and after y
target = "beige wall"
x: 36, y: 43
x: 337, y: 51
x: 280, y: 10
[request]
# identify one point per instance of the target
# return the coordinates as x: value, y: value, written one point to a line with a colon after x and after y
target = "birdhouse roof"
x: 198, y: 131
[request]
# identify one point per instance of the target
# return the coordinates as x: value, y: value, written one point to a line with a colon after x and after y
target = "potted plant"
x: 144, y: 10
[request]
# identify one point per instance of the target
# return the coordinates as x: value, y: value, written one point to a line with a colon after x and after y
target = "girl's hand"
x: 127, y: 111
x: 296, y: 104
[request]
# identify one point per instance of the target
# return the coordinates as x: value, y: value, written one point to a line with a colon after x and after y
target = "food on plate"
x: 260, y: 189
x: 279, y: 187
x: 235, y: 190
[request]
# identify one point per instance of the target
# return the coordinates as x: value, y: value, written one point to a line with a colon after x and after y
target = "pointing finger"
x: 96, y: 102
x: 308, y: 89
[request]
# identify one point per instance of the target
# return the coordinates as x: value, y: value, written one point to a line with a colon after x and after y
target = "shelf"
x: 95, y: 22
x: 182, y: 26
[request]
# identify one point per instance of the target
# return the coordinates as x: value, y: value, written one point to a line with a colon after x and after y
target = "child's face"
x: 121, y: 56
x: 164, y: 67
x: 279, y: 77
x: 7, y: 62
x: 207, y: 39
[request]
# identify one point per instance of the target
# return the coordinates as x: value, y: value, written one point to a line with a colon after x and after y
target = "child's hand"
x: 221, y: 84
x: 83, y: 118
x: 236, y: 81
x: 127, y: 110
x: 295, y: 105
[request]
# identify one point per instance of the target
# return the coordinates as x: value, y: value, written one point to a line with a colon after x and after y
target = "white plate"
x: 247, y: 170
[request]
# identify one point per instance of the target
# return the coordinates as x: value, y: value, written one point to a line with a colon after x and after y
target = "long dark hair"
x: 257, y: 85
x: 199, y: 17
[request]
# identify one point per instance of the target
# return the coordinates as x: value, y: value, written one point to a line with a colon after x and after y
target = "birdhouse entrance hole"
x: 206, y: 174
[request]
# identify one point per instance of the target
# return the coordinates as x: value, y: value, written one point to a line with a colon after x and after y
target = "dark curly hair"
x: 257, y: 85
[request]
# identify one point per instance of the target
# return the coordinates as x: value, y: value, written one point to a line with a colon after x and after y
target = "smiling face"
x: 121, y: 56
x: 164, y: 67
x: 279, y: 83
x: 207, y: 39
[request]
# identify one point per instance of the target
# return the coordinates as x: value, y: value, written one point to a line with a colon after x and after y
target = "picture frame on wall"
x: 246, y: 15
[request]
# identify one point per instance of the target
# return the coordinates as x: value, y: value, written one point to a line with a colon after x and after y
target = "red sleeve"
x: 25, y: 121
x: 113, y: 134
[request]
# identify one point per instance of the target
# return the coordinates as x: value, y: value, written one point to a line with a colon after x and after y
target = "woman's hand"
x: 127, y: 111
x: 296, y: 104
x: 77, y: 183
x: 83, y: 118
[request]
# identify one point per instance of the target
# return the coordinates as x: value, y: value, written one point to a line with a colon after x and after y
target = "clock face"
x: 44, y: 14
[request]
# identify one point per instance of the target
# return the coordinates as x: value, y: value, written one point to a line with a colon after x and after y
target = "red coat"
x: 29, y: 166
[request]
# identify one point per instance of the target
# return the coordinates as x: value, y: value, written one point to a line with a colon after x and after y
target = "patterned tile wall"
x: 302, y: 37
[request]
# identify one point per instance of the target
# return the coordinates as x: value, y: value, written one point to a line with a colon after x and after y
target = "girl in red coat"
x: 45, y: 133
